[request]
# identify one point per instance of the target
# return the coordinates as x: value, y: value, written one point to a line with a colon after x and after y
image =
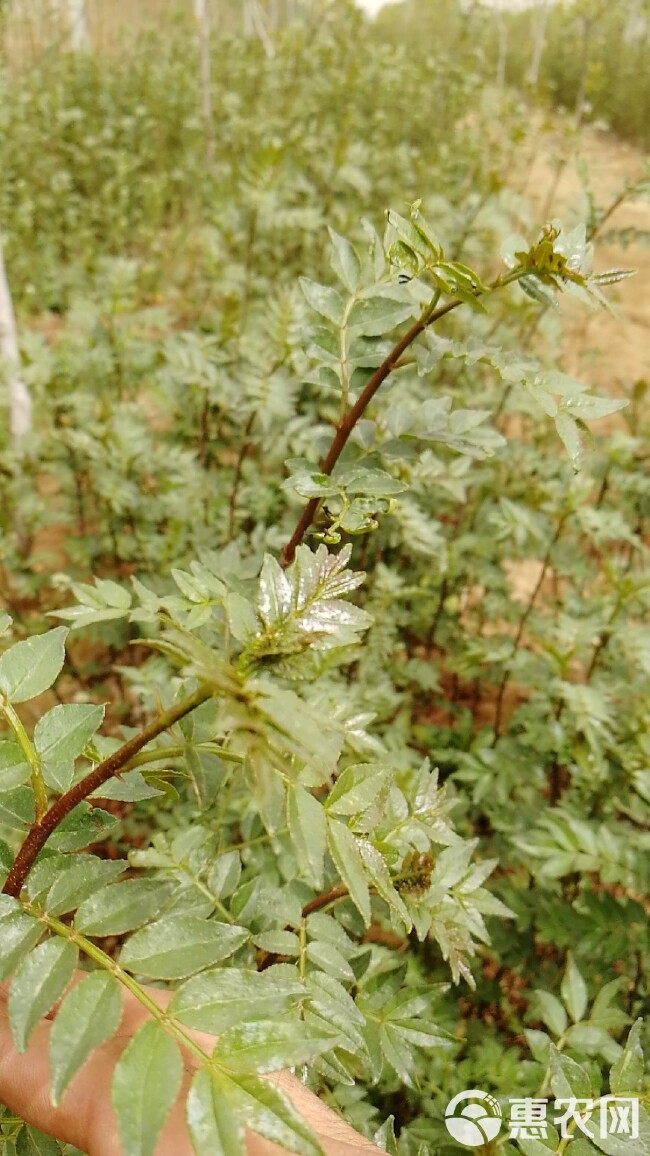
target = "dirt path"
x: 607, y: 351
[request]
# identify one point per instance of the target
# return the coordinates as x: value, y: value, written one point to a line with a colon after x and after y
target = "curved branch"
x: 43, y: 828
x: 345, y: 427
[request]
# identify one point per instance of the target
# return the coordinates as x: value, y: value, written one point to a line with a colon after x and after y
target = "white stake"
x: 20, y: 402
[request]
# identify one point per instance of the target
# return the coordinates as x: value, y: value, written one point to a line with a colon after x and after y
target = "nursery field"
x: 324, y: 591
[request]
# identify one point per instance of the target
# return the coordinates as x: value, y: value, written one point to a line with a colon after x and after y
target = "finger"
x: 85, y: 1116
x: 25, y: 1085
x: 337, y: 1138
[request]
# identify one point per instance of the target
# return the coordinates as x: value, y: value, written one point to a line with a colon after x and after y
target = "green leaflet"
x: 627, y: 1074
x: 17, y: 808
x: 414, y: 237
x: 225, y: 997
x: 569, y: 432
x: 48, y: 869
x: 345, y: 261
x: 356, y: 788
x: 270, y: 1046
x: 343, y: 848
x: 13, y: 768
x: 85, y: 876
x: 104, y: 601
x: 331, y: 1005
x: 305, y: 604
x: 225, y: 874
x: 308, y: 829
x: 30, y: 667
x: 121, y: 907
x: 88, y: 1015
x: 179, y: 946
x: 327, y: 928
x: 327, y: 957
x: 38, y: 983
x: 377, y: 314
x: 568, y: 1078
x: 132, y: 787
x: 574, y: 991
x: 31, y: 1142
x: 80, y: 827
x: 18, y: 934
x: 323, y: 300
x: 60, y: 736
x: 378, y: 871
x: 385, y: 1138
x: 278, y: 942
x: 146, y: 1082
x: 8, y: 906
x: 268, y: 1111
x: 397, y: 1052
x: 213, y: 1124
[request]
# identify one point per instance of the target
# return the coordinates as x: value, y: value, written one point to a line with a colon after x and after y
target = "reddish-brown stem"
x: 354, y: 414
x: 498, y: 709
x: 243, y: 450
x: 554, y: 775
x: 41, y: 831
x: 338, y: 891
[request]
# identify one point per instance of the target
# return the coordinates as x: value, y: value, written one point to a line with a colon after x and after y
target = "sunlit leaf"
x: 30, y: 667
x: 213, y: 1124
x: 345, y: 262
x: 268, y: 1111
x: 343, y: 848
x: 14, y: 770
x: 308, y: 829
x: 224, y: 997
x: 84, y: 877
x: 60, y: 736
x: 121, y: 907
x: 88, y: 1015
x: 574, y: 991
x: 270, y: 1046
x: 627, y: 1073
x: 18, y: 934
x: 146, y: 1082
x: 38, y: 983
x: 179, y: 946
x: 323, y: 300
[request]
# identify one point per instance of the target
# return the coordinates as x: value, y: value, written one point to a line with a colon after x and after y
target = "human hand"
x: 85, y: 1116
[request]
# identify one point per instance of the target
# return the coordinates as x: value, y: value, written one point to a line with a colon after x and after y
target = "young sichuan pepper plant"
x: 306, y: 850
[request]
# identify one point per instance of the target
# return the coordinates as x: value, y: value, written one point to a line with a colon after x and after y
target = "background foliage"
x: 407, y: 823
x: 587, y: 57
